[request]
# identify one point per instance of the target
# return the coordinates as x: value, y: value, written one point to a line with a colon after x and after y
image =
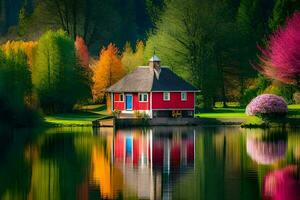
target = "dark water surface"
x: 158, y: 163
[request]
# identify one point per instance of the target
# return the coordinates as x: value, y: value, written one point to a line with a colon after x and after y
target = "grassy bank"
x: 82, y: 116
x: 234, y: 113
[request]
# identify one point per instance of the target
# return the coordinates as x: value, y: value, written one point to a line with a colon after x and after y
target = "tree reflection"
x: 155, y: 163
x: 59, y: 165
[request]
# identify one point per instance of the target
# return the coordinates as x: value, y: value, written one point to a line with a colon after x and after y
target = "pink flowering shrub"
x: 267, y: 105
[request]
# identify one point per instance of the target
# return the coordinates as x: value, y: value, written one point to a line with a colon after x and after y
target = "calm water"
x: 158, y: 163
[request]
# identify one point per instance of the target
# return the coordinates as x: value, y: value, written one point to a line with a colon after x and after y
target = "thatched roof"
x: 143, y: 79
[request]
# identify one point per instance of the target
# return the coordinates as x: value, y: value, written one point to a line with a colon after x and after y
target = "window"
x: 143, y: 97
x: 121, y: 97
x: 183, y: 96
x: 166, y: 96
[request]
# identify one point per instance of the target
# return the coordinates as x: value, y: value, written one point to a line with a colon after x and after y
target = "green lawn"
x: 223, y: 113
x: 81, y: 117
x: 294, y: 111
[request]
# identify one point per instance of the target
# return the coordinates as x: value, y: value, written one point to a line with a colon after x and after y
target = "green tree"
x: 155, y: 9
x: 195, y: 39
x: 252, y: 19
x: 132, y: 59
x: 15, y: 87
x: 55, y: 72
x: 282, y: 9
x: 22, y: 22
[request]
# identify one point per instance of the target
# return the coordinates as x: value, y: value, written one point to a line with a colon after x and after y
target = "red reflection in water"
x: 283, y: 184
x: 158, y: 153
x: 138, y: 149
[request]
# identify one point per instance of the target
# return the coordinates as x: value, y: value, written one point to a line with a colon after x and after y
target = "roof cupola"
x: 154, y: 63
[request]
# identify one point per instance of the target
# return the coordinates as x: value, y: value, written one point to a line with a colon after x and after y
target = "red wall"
x: 136, y: 104
x: 118, y: 105
x: 158, y: 102
x: 175, y: 101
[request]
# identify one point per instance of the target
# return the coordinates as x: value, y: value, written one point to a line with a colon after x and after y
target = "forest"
x: 59, y: 54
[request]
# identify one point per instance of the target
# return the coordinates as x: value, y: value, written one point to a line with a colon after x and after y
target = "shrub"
x: 267, y: 105
x: 296, y: 97
x: 116, y: 113
x: 283, y: 90
x: 141, y: 115
x: 256, y: 87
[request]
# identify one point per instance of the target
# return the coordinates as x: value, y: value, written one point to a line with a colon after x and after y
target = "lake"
x: 156, y: 163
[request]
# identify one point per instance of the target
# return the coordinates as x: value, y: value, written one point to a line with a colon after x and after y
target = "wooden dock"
x: 107, y: 122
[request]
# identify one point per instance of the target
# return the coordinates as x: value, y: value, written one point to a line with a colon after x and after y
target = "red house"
x: 154, y: 90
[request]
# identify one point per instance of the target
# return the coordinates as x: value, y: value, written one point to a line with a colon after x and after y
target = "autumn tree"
x: 280, y: 60
x: 54, y: 72
x: 107, y: 70
x: 132, y: 59
x: 82, y: 52
x: 16, y: 46
x: 84, y: 70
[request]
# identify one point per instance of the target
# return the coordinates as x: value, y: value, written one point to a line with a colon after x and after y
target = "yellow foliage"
x: 26, y: 47
x: 107, y: 70
x: 130, y: 59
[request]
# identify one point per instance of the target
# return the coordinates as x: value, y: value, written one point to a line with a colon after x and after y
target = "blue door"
x: 129, y: 102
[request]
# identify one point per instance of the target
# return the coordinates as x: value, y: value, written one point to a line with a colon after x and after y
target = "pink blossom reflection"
x: 265, y: 152
x: 283, y: 184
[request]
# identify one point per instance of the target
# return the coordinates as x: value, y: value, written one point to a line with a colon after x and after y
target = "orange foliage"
x: 82, y: 52
x: 105, y: 175
x: 26, y: 47
x: 107, y: 70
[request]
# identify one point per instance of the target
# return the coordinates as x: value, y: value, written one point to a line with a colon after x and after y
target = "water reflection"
x: 150, y: 161
x: 157, y: 163
x: 283, y: 184
x: 266, y: 146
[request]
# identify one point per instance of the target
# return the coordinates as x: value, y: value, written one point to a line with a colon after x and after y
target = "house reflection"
x: 149, y: 161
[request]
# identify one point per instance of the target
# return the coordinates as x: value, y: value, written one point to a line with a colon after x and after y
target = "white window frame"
x: 168, y: 96
x: 183, y: 99
x: 120, y: 97
x: 142, y: 97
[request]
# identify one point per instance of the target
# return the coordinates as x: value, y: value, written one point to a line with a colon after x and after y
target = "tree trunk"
x: 74, y: 19
x: 223, y: 89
